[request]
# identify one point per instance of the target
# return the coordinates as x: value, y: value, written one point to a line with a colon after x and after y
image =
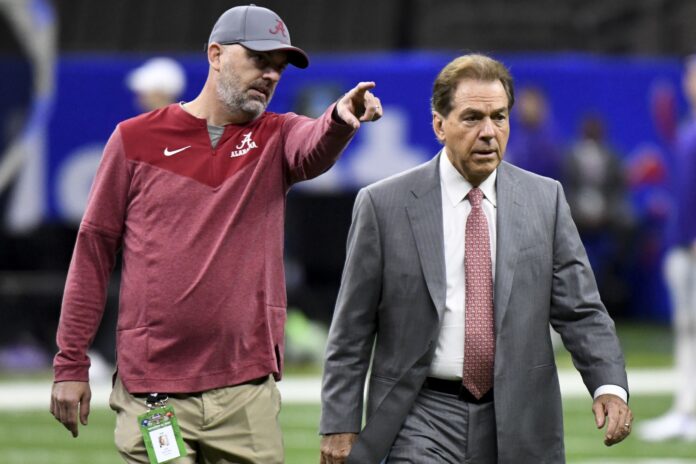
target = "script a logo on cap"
x: 279, y: 28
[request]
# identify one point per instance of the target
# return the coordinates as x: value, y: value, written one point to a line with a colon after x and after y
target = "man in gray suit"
x: 453, y: 273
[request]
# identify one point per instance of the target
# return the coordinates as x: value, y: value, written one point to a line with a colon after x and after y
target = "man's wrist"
x: 335, y: 117
x: 611, y: 390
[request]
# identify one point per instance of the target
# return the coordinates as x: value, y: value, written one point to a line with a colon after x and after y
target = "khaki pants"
x: 226, y: 425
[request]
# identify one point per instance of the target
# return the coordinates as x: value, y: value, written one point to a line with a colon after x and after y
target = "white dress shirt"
x: 448, y: 361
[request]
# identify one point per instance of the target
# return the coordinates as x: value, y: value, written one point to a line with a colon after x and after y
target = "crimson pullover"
x: 202, y: 298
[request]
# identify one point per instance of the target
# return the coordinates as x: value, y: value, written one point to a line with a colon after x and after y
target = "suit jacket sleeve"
x: 577, y: 312
x: 351, y: 337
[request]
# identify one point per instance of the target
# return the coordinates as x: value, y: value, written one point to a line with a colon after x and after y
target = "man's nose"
x: 271, y: 74
x: 487, y: 131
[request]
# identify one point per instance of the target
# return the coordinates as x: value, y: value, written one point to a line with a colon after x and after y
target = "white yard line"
x: 637, y: 461
x: 35, y: 395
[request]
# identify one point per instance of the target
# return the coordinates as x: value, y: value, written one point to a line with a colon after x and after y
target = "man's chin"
x: 254, y: 108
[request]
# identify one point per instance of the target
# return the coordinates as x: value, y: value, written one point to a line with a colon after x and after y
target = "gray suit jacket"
x: 392, y: 298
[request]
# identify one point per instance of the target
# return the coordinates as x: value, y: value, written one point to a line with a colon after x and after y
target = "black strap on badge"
x: 156, y: 400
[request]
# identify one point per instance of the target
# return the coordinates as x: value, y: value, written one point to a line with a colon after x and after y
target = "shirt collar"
x: 457, y: 187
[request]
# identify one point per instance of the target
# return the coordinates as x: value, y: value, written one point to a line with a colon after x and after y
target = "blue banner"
x: 637, y: 98
x: 92, y: 98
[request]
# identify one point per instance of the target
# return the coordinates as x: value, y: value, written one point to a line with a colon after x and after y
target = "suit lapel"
x: 509, y: 217
x: 424, y: 211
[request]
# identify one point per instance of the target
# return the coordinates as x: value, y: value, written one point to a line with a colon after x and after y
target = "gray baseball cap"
x: 258, y: 29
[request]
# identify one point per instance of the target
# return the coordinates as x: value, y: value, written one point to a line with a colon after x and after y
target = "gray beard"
x: 235, y: 100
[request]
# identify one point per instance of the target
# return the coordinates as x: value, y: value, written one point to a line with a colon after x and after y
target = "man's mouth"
x: 259, y: 91
x: 485, y: 152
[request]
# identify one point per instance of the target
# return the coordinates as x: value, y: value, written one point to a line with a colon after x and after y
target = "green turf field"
x: 34, y: 437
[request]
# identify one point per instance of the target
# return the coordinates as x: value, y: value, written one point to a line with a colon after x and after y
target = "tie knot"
x: 475, y: 196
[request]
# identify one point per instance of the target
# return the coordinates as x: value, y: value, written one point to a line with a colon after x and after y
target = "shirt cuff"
x: 611, y: 390
x: 334, y: 115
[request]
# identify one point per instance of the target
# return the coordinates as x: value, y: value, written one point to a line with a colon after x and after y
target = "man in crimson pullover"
x: 194, y: 195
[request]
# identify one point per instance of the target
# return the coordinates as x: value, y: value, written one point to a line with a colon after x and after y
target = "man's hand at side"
x: 69, y: 398
x: 359, y: 105
x: 335, y: 448
x: 615, y: 413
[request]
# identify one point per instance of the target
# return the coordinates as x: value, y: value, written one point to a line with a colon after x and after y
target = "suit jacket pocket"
x: 534, y: 266
x: 378, y: 388
x: 535, y: 251
x: 399, y: 285
x: 383, y: 379
x: 543, y: 366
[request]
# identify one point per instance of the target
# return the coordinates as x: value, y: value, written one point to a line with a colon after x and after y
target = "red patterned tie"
x: 479, y: 341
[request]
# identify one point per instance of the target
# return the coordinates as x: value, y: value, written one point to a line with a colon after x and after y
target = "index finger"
x: 361, y: 88
x: 68, y: 416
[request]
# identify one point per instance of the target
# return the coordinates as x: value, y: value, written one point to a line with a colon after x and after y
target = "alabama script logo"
x: 279, y: 28
x: 244, y: 147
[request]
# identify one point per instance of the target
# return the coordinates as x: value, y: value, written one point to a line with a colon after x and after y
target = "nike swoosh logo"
x: 174, y: 152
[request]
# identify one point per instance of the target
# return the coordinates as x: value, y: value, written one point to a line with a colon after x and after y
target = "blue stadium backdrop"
x: 637, y: 97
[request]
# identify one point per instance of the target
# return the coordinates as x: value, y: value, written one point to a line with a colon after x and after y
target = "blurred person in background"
x: 536, y: 146
x: 680, y: 275
x: 194, y: 193
x: 29, y: 253
x: 22, y: 159
x: 596, y: 188
x: 454, y: 271
x: 157, y: 83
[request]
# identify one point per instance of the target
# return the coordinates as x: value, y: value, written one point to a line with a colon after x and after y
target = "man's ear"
x: 214, y: 52
x: 438, y: 122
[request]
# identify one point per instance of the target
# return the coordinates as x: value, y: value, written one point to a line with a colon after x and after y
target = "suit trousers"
x: 237, y: 424
x: 445, y: 429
